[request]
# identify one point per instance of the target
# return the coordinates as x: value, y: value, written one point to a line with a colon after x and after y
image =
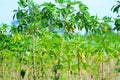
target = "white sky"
x: 99, y: 7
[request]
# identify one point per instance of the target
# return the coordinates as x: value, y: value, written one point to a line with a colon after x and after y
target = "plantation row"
x: 49, y: 56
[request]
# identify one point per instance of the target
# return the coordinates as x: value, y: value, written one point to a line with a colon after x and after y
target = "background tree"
x: 116, y: 8
x: 67, y: 14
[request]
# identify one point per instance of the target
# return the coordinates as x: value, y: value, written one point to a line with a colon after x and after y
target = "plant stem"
x: 109, y: 68
x: 102, y: 68
x: 33, y: 58
x: 42, y: 71
x: 59, y: 59
x: 79, y: 75
x: 2, y: 66
x: 68, y: 70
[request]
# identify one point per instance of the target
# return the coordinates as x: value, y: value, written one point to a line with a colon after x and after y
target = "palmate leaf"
x: 117, y: 24
x: 22, y: 3
x: 116, y: 7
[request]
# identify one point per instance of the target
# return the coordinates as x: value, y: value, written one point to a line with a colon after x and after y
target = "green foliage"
x: 62, y: 14
x: 117, y: 24
x: 116, y: 7
x: 27, y: 14
x: 33, y: 50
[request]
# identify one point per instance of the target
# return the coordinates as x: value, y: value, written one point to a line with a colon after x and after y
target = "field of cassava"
x: 46, y: 43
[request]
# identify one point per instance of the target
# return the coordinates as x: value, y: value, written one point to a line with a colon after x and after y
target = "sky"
x: 96, y: 7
